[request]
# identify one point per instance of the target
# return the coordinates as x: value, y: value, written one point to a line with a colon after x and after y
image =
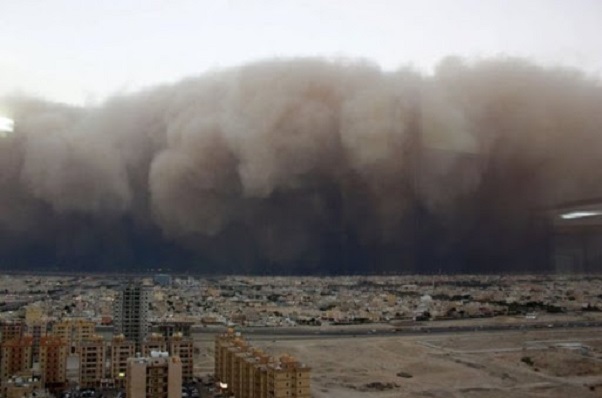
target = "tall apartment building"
x: 246, y: 372
x: 10, y: 330
x: 288, y: 378
x: 121, y: 350
x: 183, y: 347
x: 91, y: 362
x: 53, y: 362
x: 16, y: 358
x: 157, y: 376
x: 258, y: 373
x: 222, y: 343
x: 74, y: 331
x: 36, y: 329
x: 239, y: 384
x: 131, y: 312
x: 176, y: 345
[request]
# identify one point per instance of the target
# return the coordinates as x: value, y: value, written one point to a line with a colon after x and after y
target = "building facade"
x: 183, y: 347
x: 74, y: 331
x: 121, y: 350
x: 91, y: 362
x: 131, y: 312
x: 53, y: 362
x: 288, y: 378
x: 10, y: 330
x: 16, y: 357
x: 176, y: 345
x: 36, y: 330
x: 156, y: 376
x: 247, y: 372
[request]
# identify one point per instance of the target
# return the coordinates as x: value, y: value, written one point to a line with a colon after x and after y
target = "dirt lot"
x: 484, y: 365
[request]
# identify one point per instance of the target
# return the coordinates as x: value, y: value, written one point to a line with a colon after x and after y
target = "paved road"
x: 427, y: 328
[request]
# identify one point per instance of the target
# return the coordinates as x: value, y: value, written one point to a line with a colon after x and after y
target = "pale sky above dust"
x: 83, y: 51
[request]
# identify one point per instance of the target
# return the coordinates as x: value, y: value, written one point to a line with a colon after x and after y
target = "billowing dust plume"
x: 304, y: 165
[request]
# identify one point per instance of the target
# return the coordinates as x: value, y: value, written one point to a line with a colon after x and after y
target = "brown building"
x: 157, y: 376
x: 121, y: 350
x: 53, y: 362
x: 37, y: 330
x: 246, y: 372
x: 288, y: 378
x: 91, y: 362
x: 10, y: 330
x: 183, y: 347
x: 74, y: 331
x: 177, y: 345
x: 16, y: 357
x: 222, y: 343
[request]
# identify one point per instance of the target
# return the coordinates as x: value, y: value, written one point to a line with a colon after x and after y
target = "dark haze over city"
x: 304, y: 166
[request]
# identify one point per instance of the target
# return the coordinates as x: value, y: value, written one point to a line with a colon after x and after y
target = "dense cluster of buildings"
x: 144, y: 356
x: 247, y: 372
x: 58, y: 332
x: 39, y: 356
x: 281, y: 301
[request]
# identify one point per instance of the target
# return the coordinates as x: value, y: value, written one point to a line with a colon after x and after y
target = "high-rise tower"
x: 131, y: 312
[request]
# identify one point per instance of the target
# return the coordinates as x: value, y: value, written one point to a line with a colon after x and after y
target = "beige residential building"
x: 53, y: 361
x: 223, y: 343
x: 121, y: 350
x: 156, y: 376
x: 37, y: 330
x: 177, y: 345
x: 10, y: 330
x: 74, y: 331
x: 288, y: 378
x: 91, y: 362
x: 183, y: 347
x: 247, y: 372
x: 16, y: 358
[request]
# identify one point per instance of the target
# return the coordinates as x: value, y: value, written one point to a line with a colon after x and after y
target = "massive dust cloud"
x: 304, y: 166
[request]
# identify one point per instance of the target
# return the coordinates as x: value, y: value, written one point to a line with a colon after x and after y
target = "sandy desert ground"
x: 542, y: 363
